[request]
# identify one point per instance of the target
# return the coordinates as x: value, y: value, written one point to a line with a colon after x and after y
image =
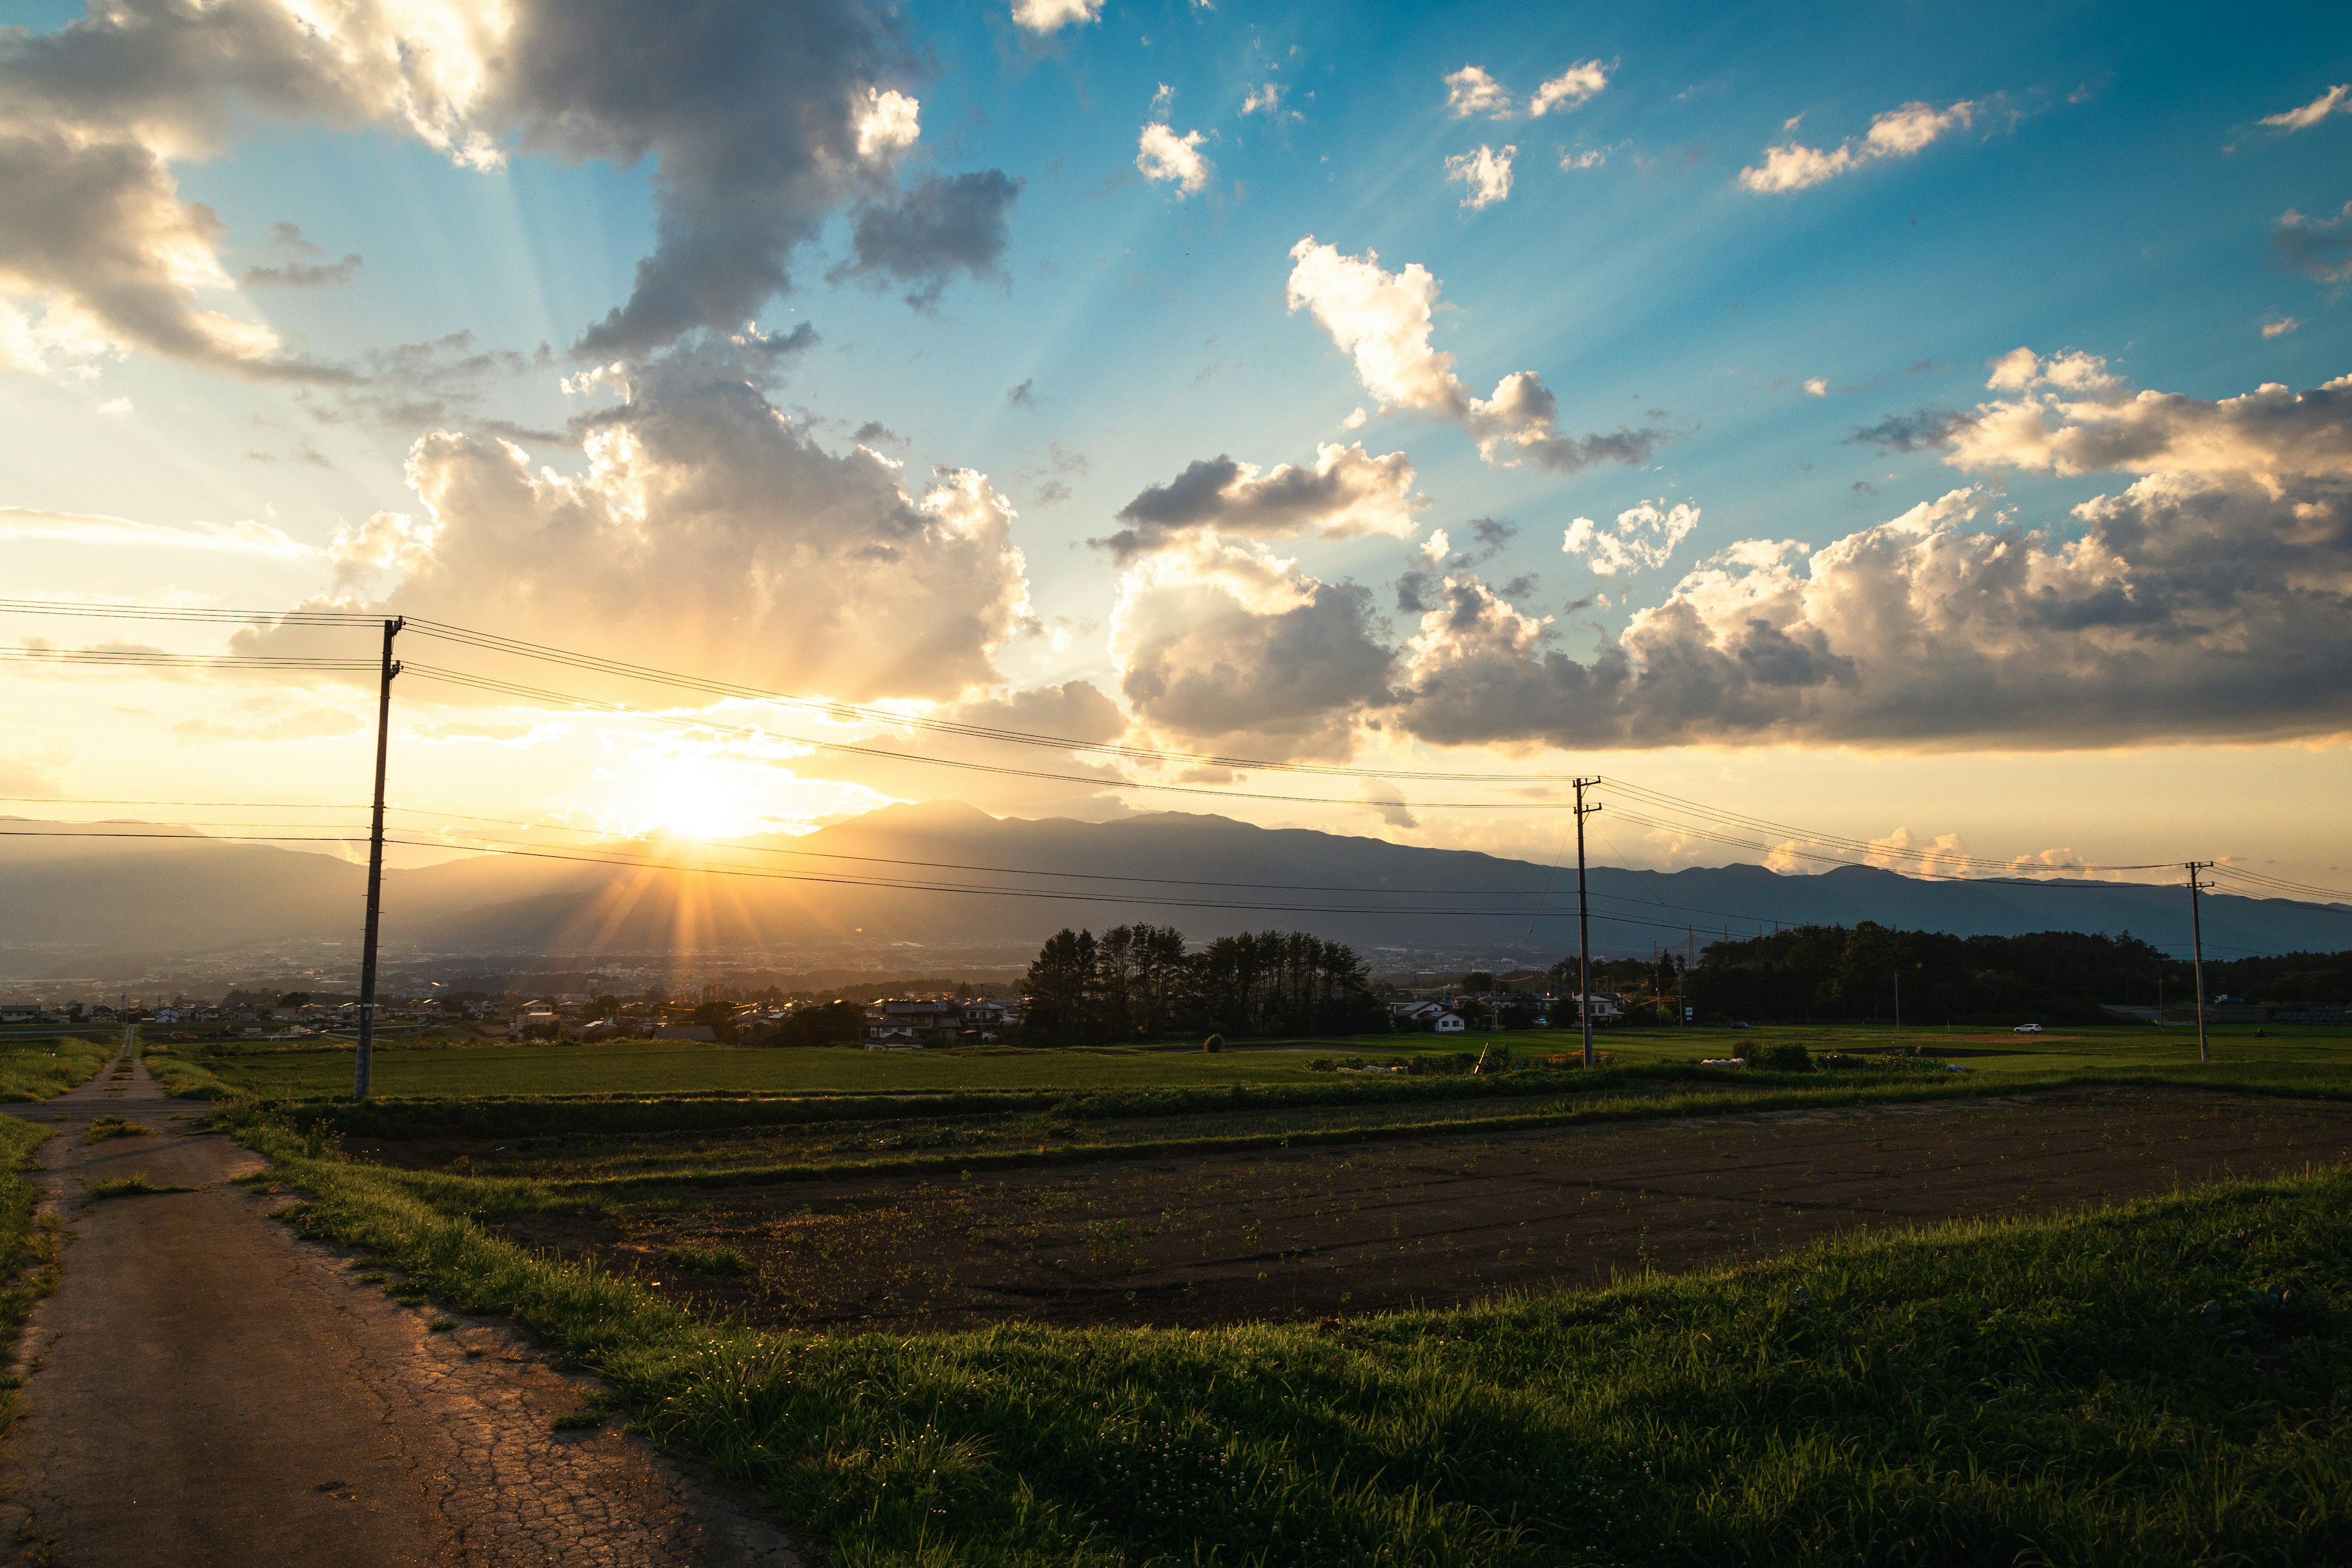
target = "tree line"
x: 1142, y: 981
x: 1858, y: 974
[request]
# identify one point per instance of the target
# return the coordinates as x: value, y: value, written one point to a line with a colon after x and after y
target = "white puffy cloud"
x: 708, y: 531
x: 1899, y: 132
x: 2211, y: 595
x: 1224, y: 643
x: 1486, y: 173
x: 2337, y: 99
x: 244, y: 538
x: 1052, y: 16
x: 762, y: 120
x: 1470, y: 91
x: 1817, y: 386
x: 1381, y: 320
x: 1347, y: 491
x: 1571, y: 89
x: 1161, y: 154
x: 1644, y: 536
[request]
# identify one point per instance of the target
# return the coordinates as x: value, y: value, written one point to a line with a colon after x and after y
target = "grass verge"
x: 2167, y: 1381
x: 29, y: 1242
x: 133, y: 1186
x: 181, y: 1077
x: 42, y: 1068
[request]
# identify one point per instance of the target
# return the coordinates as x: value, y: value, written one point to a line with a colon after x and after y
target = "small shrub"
x: 722, y: 1262
x: 106, y: 1127
x: 1213, y: 1043
x: 1789, y: 1058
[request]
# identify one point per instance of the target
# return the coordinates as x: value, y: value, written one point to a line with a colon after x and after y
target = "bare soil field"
x: 1430, y: 1222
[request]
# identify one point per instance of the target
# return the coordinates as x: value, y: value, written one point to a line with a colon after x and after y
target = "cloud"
x: 1900, y: 133
x: 759, y: 120
x: 1927, y: 429
x: 937, y: 226
x: 1470, y: 91
x: 1161, y: 154
x: 1590, y: 158
x: 1043, y: 16
x: 1571, y: 89
x: 2206, y: 597
x: 117, y: 408
x: 1646, y: 536
x: 303, y: 274
x: 1345, y: 493
x: 2337, y: 99
x: 1021, y: 397
x: 1382, y: 320
x: 246, y: 538
x: 315, y: 725
x: 1264, y: 99
x: 2318, y: 248
x: 1815, y: 386
x: 1486, y: 173
x: 2279, y: 326
x: 708, y: 531
x: 1221, y: 643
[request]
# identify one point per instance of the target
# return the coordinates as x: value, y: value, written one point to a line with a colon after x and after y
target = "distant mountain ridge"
x: 1209, y: 876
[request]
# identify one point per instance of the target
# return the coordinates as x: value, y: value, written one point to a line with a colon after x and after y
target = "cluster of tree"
x: 835, y: 1022
x: 1141, y: 981
x: 1858, y: 973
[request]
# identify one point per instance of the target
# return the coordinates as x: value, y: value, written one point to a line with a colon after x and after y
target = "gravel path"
x: 205, y: 1387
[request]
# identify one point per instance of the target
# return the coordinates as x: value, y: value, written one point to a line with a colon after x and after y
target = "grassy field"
x: 37, y: 1069
x: 2157, y: 1383
x: 669, y: 1068
x: 2160, y: 1381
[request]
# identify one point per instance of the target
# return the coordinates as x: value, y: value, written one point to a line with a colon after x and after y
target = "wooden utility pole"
x: 2197, y: 956
x: 362, y: 1068
x: 1583, y: 925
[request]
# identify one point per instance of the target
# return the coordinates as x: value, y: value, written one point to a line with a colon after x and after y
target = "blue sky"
x: 2107, y: 189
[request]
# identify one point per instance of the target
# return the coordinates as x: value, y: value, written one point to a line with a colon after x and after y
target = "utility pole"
x: 2197, y: 952
x: 360, y: 1070
x: 1583, y: 925
x: 1898, y: 1002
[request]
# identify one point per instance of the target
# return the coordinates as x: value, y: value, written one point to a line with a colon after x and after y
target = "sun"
x: 695, y: 800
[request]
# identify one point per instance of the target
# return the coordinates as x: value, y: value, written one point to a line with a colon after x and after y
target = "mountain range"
x: 889, y: 881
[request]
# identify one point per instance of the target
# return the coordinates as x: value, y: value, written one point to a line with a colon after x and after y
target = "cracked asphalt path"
x: 206, y: 1387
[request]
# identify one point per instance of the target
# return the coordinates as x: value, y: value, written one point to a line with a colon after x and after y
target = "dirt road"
x: 205, y: 1388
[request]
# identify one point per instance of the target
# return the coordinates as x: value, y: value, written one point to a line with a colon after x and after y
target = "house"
x: 1449, y: 1023
x: 1605, y: 1011
x: 926, y: 1023
x: 19, y: 1013
x: 881, y: 1038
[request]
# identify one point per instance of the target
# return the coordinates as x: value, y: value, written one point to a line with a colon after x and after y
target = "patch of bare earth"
x: 1431, y: 1221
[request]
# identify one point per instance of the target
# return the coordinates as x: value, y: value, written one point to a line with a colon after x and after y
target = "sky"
x: 1928, y: 427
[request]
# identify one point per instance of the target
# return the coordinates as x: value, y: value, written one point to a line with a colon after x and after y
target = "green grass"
x: 2163, y: 1382
x: 40, y: 1068
x: 134, y: 1185
x: 182, y: 1077
x: 105, y: 1127
x: 29, y: 1243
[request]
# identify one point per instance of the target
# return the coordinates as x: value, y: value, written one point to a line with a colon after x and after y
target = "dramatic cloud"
x: 1571, y: 89
x: 1043, y: 16
x: 2319, y: 249
x: 1644, y: 536
x: 1382, y: 320
x: 2206, y: 598
x: 1470, y: 91
x: 937, y: 226
x: 1897, y: 133
x: 1346, y: 492
x: 760, y: 121
x: 1486, y: 173
x: 2337, y: 99
x: 247, y: 538
x: 1161, y: 154
x: 1219, y: 643
x: 708, y: 531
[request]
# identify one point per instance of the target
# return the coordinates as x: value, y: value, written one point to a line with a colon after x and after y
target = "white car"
x: 2027, y: 1029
